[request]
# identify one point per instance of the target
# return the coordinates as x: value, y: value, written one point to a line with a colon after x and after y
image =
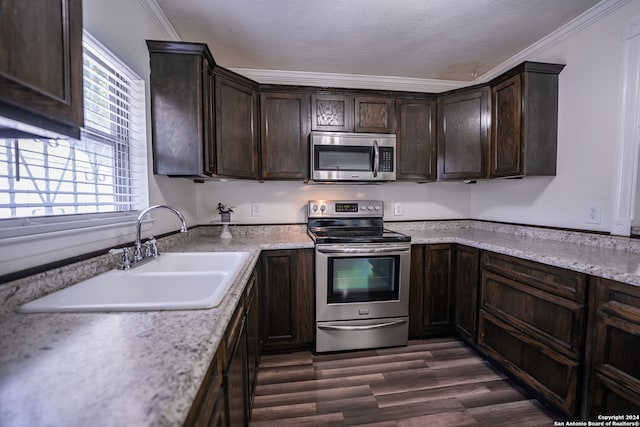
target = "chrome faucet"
x: 151, y: 249
x: 138, y: 255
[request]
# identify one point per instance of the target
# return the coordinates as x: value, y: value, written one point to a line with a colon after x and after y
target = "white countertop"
x: 145, y: 368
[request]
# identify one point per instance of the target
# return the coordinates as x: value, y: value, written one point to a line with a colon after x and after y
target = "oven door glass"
x: 361, y: 279
x: 343, y: 158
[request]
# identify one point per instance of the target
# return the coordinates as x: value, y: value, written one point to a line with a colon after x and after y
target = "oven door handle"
x: 362, y: 327
x: 360, y: 250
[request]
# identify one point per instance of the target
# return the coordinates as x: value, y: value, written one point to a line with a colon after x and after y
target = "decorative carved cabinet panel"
x: 374, y: 114
x: 41, y: 64
x: 332, y: 112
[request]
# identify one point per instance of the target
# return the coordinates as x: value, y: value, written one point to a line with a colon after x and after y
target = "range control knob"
x: 323, y: 208
x: 314, y: 208
x: 370, y: 207
x: 377, y: 207
x: 363, y: 208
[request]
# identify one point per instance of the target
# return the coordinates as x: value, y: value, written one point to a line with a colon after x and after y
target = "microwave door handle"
x: 376, y: 158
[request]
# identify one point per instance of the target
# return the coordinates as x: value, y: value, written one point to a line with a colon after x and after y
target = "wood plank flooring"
x: 438, y: 382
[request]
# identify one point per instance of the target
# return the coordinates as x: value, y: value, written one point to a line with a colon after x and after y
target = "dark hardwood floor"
x: 438, y: 382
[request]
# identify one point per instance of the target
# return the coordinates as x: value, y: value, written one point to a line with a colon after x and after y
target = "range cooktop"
x: 349, y: 221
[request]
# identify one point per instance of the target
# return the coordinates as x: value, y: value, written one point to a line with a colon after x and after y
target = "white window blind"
x: 103, y: 172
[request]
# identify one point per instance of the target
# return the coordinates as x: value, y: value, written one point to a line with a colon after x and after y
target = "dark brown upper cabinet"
x: 236, y: 101
x: 284, y: 135
x: 524, y: 121
x: 416, y: 139
x: 374, y: 114
x: 181, y: 109
x: 337, y: 112
x: 41, y: 65
x: 204, y: 118
x: 463, y: 133
x: 332, y: 112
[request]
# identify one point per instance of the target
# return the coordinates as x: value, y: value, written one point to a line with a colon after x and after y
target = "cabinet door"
x: 551, y: 375
x: 236, y: 129
x: 506, y: 136
x: 287, y: 294
x: 208, y: 407
x: 431, y: 290
x: 284, y: 135
x: 374, y: 114
x: 463, y: 131
x: 614, y: 382
x: 466, y: 292
x: 332, y: 112
x: 253, y: 337
x: 182, y: 122
x: 416, y: 140
x: 236, y: 380
x: 41, y: 64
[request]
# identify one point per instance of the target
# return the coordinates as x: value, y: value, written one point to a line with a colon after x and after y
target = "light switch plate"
x: 256, y: 209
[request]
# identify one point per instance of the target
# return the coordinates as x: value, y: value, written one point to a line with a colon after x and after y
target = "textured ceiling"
x: 427, y: 39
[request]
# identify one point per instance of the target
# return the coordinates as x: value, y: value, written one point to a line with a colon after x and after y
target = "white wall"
x: 589, y: 109
x: 284, y: 202
x: 123, y: 26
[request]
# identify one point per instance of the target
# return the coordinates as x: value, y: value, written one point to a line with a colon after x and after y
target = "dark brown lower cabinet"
x: 614, y: 379
x: 254, y: 342
x: 287, y: 295
x: 209, y: 406
x: 530, y: 327
x: 465, y: 316
x: 431, y: 290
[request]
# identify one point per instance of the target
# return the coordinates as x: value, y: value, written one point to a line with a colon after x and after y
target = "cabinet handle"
x: 362, y: 327
x: 376, y: 158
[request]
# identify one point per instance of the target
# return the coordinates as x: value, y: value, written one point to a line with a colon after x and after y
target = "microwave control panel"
x: 386, y: 159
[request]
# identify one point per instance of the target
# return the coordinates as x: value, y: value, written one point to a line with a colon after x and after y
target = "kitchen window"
x: 54, y: 184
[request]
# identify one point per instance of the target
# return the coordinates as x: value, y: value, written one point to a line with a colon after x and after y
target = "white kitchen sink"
x: 173, y: 281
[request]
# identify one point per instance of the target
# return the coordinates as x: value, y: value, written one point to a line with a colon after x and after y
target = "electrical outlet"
x: 397, y: 209
x: 594, y: 213
x: 256, y: 209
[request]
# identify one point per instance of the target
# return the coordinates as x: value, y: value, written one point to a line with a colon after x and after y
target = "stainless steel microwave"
x: 338, y: 156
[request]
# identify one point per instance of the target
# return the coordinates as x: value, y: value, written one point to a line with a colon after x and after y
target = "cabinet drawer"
x: 555, y: 321
x: 615, y: 372
x: 552, y: 375
x: 559, y: 281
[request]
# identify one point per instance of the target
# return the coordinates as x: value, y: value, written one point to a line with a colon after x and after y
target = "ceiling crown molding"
x: 572, y: 27
x: 159, y: 19
x: 361, y: 81
x: 350, y: 81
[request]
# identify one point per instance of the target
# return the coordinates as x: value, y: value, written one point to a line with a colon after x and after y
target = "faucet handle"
x: 151, y: 248
x: 125, y: 262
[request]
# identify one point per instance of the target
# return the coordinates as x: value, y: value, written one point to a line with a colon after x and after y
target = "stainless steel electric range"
x: 362, y: 276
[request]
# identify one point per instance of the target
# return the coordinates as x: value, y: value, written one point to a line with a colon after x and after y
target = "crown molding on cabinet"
x: 159, y: 19
x: 349, y: 81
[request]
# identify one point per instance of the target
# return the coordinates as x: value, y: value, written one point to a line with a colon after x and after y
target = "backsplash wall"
x: 285, y: 202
